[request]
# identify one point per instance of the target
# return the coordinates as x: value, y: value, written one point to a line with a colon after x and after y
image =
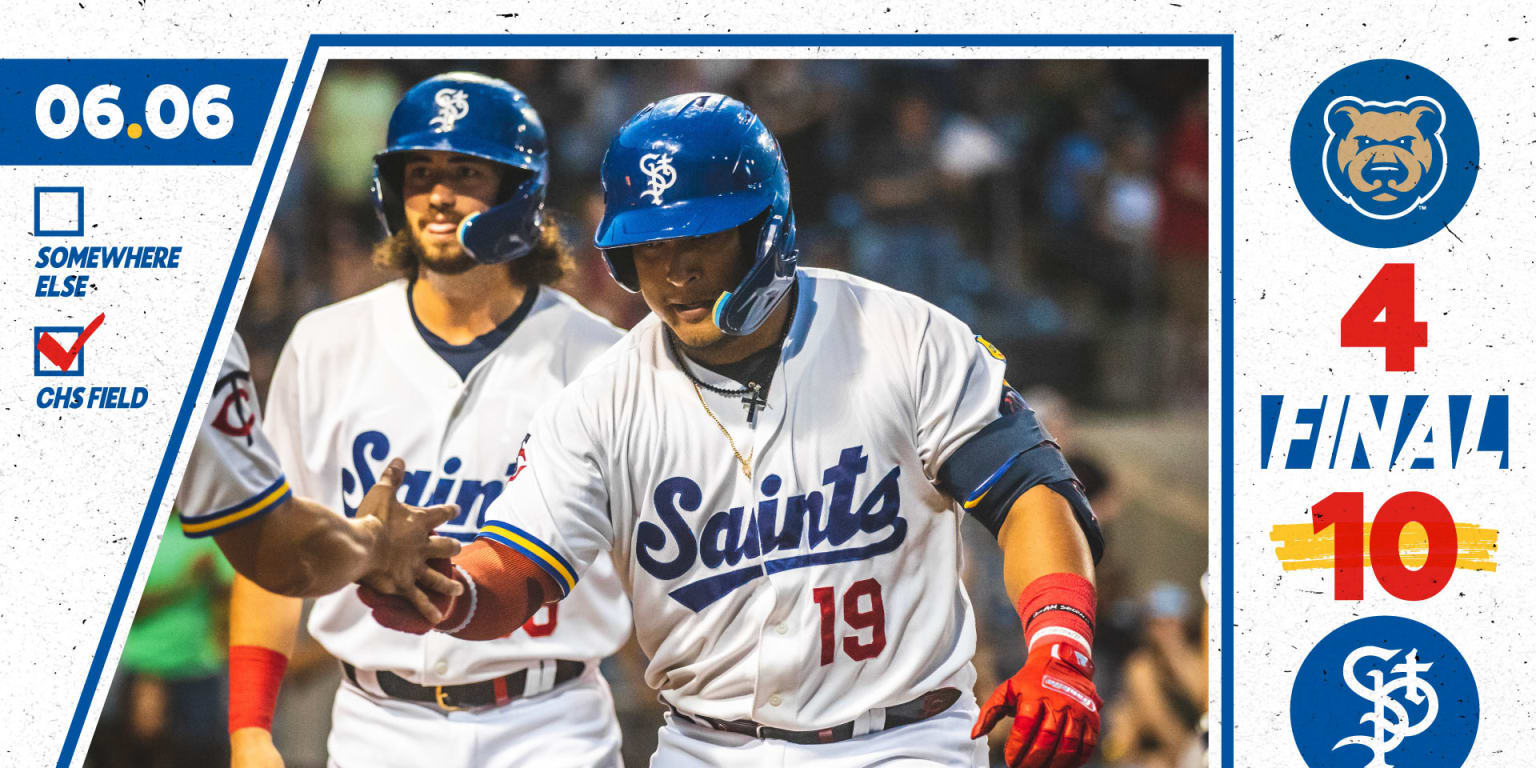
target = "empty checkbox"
x: 58, y: 211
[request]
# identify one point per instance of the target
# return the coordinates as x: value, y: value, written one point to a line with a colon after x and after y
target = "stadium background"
x: 1058, y: 206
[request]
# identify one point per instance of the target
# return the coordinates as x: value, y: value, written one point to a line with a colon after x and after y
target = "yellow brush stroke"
x: 1301, y: 549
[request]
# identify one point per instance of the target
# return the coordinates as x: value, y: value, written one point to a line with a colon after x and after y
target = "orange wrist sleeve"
x: 503, y: 589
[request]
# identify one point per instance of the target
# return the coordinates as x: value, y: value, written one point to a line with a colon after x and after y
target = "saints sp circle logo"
x: 1384, y: 691
x: 1384, y: 153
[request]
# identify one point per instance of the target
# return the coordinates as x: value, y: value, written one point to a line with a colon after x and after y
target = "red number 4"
x: 1389, y: 296
x: 857, y: 616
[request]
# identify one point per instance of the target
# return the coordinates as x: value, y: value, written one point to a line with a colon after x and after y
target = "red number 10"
x: 857, y: 617
x: 1346, y: 512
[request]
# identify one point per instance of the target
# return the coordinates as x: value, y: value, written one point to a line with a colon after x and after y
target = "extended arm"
x: 1040, y: 537
x: 1048, y: 572
x: 302, y: 549
x: 557, y: 493
x: 261, y: 631
x: 235, y: 489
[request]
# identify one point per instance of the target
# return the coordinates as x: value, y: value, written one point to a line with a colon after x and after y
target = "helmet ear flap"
x: 757, y: 239
x: 621, y: 264
x: 387, y: 201
x: 742, y: 310
x: 511, y: 228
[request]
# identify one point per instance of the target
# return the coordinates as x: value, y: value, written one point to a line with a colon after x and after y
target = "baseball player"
x: 446, y: 368
x: 777, y: 460
x: 235, y: 491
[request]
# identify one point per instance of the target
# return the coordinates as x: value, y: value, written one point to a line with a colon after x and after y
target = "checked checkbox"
x: 51, y: 358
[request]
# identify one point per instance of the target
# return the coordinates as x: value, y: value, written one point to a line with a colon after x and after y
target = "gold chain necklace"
x: 755, y: 389
x: 746, y: 464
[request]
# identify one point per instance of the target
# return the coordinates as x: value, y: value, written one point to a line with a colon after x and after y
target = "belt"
x: 468, y: 695
x: 916, y: 710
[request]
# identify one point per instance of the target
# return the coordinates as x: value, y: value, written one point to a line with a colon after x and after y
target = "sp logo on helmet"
x: 452, y: 106
x: 1384, y: 153
x: 659, y: 174
x: 1384, y: 159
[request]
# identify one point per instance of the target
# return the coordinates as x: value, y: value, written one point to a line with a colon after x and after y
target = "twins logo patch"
x: 452, y: 106
x: 1384, y: 692
x: 659, y: 174
x: 234, y: 416
x: 1384, y: 153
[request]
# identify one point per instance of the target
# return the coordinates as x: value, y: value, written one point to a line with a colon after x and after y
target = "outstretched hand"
x: 403, y: 543
x: 1054, y: 706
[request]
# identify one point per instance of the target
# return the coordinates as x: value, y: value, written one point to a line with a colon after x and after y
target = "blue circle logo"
x: 1384, y: 153
x: 1384, y: 691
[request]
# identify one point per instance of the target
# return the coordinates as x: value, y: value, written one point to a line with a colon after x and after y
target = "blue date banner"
x: 134, y: 111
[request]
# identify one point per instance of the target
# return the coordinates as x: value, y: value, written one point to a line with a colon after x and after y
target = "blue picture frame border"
x: 1223, y: 42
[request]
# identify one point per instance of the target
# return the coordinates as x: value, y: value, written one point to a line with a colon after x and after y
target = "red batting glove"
x: 397, y: 613
x: 1055, y: 709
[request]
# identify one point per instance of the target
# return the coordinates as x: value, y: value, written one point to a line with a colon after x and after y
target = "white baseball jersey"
x: 826, y: 586
x: 357, y: 385
x: 232, y: 476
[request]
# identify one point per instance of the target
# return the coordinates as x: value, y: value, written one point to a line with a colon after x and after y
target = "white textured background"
x: 1294, y: 282
x: 76, y: 482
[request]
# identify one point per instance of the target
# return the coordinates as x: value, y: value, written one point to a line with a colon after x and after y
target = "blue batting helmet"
x: 693, y: 165
x: 471, y: 114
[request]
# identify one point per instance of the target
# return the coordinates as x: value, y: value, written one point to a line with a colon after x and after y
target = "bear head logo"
x: 1384, y: 159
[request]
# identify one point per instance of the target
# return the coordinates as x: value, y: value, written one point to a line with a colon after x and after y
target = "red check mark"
x: 56, y: 353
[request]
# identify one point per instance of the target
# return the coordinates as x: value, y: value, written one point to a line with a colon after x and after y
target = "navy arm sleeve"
x: 1006, y: 458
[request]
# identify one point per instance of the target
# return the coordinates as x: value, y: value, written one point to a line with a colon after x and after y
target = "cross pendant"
x: 752, y: 402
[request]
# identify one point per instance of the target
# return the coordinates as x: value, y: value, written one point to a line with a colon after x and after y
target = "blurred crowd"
x: 1058, y: 206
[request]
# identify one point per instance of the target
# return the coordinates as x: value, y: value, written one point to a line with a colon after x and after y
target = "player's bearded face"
x: 681, y: 280
x: 440, y: 189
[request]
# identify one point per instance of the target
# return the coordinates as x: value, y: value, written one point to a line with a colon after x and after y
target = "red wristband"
x: 1058, y: 606
x: 255, y: 675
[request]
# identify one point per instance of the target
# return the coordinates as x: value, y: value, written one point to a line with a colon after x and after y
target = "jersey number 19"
x: 857, y: 617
